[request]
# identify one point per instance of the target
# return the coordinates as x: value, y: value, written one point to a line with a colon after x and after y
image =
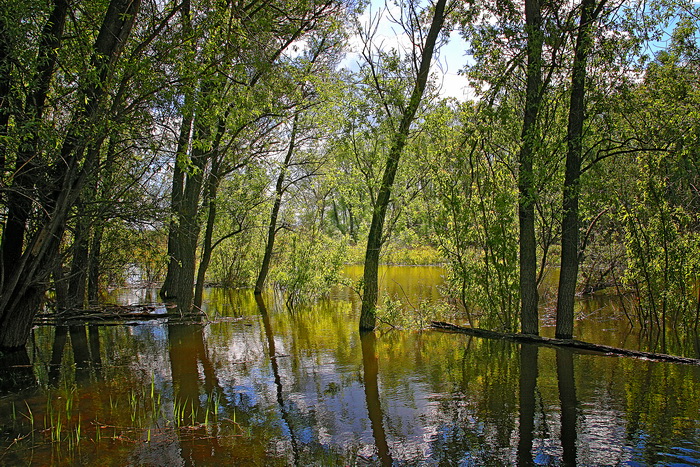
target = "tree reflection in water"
x: 370, y: 364
x: 85, y: 345
x: 567, y: 398
x: 276, y: 373
x: 445, y: 399
x: 528, y: 384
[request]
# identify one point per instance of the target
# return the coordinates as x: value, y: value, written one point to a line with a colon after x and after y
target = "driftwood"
x: 114, y: 313
x: 568, y: 343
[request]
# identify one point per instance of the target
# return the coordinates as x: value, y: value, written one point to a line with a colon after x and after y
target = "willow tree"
x: 570, y: 222
x: 529, y: 323
x: 240, y: 54
x: 422, y: 56
x: 68, y: 165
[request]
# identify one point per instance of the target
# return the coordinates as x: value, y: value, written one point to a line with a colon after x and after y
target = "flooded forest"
x: 349, y: 232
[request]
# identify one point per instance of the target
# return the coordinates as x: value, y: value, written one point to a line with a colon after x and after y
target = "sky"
x: 450, y: 59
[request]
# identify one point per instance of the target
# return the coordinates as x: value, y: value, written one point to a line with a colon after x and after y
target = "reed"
x: 135, y: 415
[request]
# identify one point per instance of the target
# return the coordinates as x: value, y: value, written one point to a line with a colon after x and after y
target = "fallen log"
x: 113, y: 313
x: 567, y: 343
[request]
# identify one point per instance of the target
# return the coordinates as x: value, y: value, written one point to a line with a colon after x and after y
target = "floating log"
x: 568, y: 343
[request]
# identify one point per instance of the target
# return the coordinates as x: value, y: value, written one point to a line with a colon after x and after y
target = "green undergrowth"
x: 402, y: 314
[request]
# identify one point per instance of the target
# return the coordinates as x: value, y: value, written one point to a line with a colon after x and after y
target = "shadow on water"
x: 370, y: 365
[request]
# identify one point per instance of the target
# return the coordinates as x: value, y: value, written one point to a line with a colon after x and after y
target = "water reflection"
x: 528, y: 384
x: 567, y: 398
x: 16, y: 372
x: 85, y: 347
x: 370, y: 365
x: 276, y: 372
x: 307, y: 389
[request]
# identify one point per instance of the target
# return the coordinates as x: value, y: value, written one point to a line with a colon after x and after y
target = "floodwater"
x: 256, y: 384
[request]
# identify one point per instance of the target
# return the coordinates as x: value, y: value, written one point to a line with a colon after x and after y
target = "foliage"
x: 308, y: 266
x: 474, y: 221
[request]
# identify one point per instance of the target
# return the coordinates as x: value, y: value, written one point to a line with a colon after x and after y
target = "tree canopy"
x: 247, y: 143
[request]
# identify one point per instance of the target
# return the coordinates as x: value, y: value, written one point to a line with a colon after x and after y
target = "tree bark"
x: 93, y: 276
x: 376, y: 231
x: 529, y: 319
x: 188, y: 222
x: 172, y: 275
x: 77, y: 280
x: 570, y: 223
x: 272, y: 227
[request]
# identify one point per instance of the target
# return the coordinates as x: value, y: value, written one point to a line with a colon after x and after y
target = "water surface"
x: 256, y: 384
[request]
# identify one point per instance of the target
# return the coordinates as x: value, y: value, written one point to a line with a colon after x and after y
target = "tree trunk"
x: 93, y: 279
x: 103, y: 183
x: 23, y: 291
x: 529, y: 320
x: 172, y: 275
x: 570, y: 223
x: 167, y: 291
x: 188, y: 229
x: 272, y: 228
x: 376, y: 231
x: 77, y: 280
x: 213, y: 183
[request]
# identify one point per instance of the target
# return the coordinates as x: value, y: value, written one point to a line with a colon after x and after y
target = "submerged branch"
x: 568, y: 343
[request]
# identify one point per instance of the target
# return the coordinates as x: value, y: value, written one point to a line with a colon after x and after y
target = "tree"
x: 529, y: 320
x: 398, y: 141
x: 24, y: 288
x: 568, y: 275
x: 239, y: 89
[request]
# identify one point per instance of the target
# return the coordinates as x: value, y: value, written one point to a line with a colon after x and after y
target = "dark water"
x: 256, y: 384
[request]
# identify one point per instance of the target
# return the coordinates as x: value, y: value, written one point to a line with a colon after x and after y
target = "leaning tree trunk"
x: 19, y: 199
x: 374, y: 239
x: 272, y: 227
x: 529, y: 320
x: 24, y: 289
x: 570, y: 222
